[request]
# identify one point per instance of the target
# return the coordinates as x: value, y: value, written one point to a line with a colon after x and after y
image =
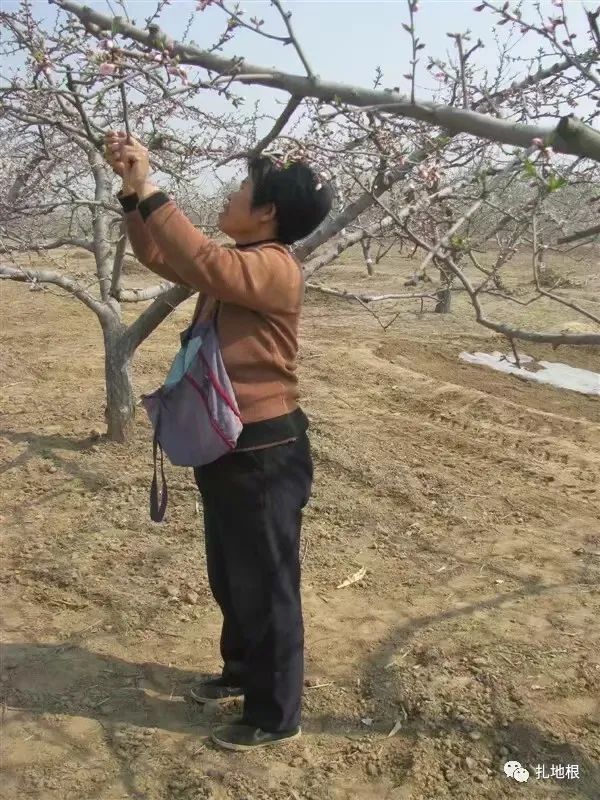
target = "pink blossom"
x: 537, y: 142
x: 558, y: 3
x: 107, y: 68
x: 552, y: 25
x: 429, y: 174
x: 202, y: 4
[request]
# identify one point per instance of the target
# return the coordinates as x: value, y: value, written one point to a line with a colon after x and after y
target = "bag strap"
x: 202, y: 301
x: 157, y: 512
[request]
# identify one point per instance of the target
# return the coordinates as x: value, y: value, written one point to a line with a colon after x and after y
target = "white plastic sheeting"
x: 553, y: 373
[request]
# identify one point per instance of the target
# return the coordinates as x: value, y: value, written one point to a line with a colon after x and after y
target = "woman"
x: 252, y: 497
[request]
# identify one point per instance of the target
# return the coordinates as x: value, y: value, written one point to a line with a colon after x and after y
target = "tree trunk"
x: 444, y: 295
x: 120, y: 402
x: 443, y: 301
x: 366, y: 249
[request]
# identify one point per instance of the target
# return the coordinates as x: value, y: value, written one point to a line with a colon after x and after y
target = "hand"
x: 131, y: 160
x: 113, y: 139
x: 112, y: 145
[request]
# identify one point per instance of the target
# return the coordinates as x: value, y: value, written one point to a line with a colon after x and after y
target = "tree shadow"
x: 47, y: 445
x: 530, y: 744
x: 68, y: 679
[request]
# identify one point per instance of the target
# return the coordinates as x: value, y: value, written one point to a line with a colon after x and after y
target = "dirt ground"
x: 471, y: 498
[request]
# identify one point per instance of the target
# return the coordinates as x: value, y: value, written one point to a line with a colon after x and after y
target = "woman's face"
x: 241, y: 222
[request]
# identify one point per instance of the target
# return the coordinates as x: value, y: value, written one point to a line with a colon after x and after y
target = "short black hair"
x: 301, y: 199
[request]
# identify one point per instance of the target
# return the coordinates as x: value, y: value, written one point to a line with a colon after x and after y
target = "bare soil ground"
x: 471, y: 498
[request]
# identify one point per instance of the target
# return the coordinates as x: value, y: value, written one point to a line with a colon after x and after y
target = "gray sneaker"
x: 240, y: 736
x: 214, y: 690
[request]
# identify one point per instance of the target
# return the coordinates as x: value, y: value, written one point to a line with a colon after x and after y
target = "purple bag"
x: 194, y: 414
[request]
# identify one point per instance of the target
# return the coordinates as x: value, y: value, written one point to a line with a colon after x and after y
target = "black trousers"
x: 253, y: 505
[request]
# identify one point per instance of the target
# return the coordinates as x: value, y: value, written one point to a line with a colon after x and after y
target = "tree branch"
x: 574, y: 237
x: 453, y: 119
x: 293, y: 39
x: 501, y: 327
x: 36, y: 118
x: 141, y: 295
x: 279, y: 125
x: 357, y: 207
x: 23, y: 177
x: 24, y: 275
x: 117, y: 268
x: 79, y: 107
x: 102, y: 244
x: 537, y: 254
x: 152, y: 316
x: 25, y: 247
x: 367, y: 298
x: 532, y: 80
x: 337, y: 247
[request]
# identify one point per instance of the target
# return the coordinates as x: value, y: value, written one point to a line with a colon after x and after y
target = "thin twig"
x: 463, y: 68
x: 279, y: 125
x: 550, y: 295
x: 124, y: 104
x: 514, y: 349
x: 507, y: 659
x: 293, y: 40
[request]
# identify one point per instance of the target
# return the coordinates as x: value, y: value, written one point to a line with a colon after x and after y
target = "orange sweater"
x: 261, y: 289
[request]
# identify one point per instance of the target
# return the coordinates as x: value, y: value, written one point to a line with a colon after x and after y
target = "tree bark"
x: 366, y: 249
x: 444, y: 298
x: 120, y: 400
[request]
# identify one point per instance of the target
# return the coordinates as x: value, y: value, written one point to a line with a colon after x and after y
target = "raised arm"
x: 145, y: 248
x: 266, y: 278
